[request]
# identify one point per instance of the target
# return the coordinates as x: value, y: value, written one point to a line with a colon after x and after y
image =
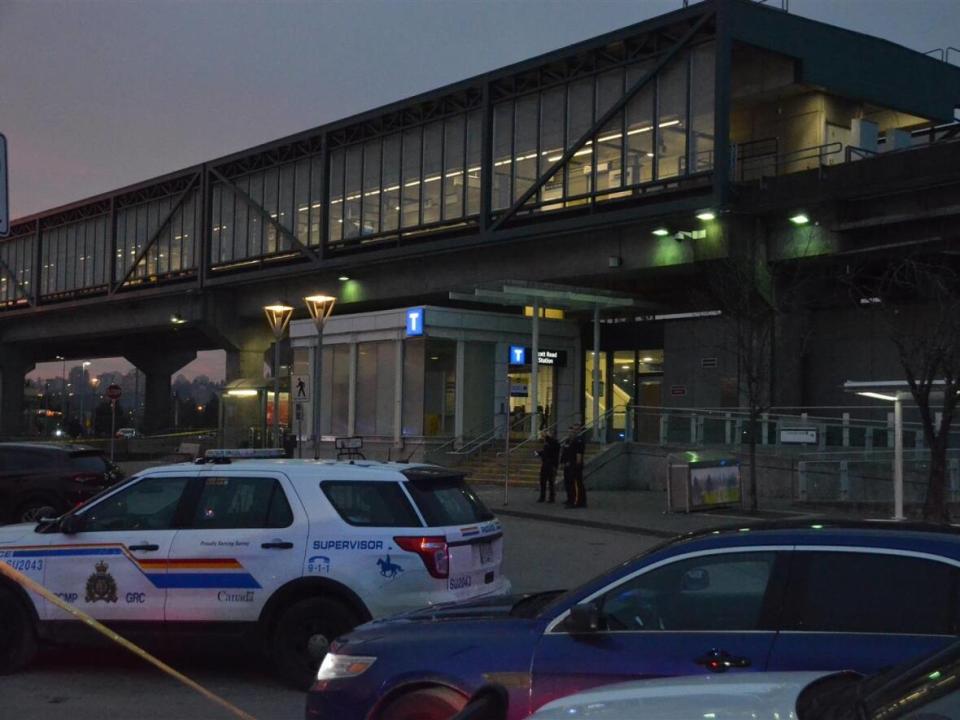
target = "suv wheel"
x: 18, y: 641
x: 303, y: 634
x: 34, y: 510
x: 435, y: 703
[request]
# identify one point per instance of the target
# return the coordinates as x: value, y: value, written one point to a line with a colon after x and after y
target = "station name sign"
x: 519, y: 355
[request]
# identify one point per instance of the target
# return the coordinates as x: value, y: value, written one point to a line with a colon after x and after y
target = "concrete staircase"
x: 487, y: 468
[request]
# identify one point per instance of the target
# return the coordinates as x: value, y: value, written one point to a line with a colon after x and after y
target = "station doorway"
x: 521, y: 413
x: 630, y: 392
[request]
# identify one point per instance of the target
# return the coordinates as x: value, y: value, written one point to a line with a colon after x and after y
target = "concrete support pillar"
x: 157, y: 369
x: 398, y: 396
x: 352, y: 390
x: 534, y: 373
x: 13, y: 371
x: 460, y: 379
x: 248, y: 361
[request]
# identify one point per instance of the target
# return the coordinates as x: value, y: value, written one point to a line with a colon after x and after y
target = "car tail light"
x: 432, y: 550
x: 87, y: 478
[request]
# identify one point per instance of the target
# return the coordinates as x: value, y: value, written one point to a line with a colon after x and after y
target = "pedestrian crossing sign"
x: 301, y: 388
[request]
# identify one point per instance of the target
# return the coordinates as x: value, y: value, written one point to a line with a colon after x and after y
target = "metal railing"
x: 752, y: 163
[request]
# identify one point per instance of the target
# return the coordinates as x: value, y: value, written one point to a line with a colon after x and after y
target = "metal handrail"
x: 452, y: 441
x: 743, y: 414
x: 478, y: 443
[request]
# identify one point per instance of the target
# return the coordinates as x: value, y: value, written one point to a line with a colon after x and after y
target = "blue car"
x: 857, y: 596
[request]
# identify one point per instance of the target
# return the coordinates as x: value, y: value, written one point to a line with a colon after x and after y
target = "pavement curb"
x: 596, y: 524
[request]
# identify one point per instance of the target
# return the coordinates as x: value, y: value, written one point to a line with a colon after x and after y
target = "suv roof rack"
x: 224, y: 456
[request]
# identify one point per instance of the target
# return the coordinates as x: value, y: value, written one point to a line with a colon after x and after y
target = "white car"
x: 291, y: 553
x: 127, y: 433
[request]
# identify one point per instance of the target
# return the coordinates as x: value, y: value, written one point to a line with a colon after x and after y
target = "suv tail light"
x: 432, y: 550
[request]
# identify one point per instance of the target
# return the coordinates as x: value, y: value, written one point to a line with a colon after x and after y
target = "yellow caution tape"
x: 39, y: 589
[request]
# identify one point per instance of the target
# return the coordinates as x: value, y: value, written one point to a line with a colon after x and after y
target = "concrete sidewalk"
x: 630, y: 511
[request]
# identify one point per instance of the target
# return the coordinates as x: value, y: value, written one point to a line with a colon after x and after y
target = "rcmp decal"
x: 101, y: 585
x: 319, y: 564
x: 388, y: 568
x: 348, y: 544
x: 235, y: 597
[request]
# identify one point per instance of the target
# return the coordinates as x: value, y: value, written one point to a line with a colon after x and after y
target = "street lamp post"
x: 278, y: 315
x: 82, y: 390
x: 320, y: 307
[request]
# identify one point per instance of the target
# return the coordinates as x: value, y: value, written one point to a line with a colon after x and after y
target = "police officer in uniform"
x: 549, y: 459
x: 571, y: 457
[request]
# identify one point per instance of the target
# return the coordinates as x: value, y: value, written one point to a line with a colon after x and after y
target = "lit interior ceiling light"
x: 344, y: 278
x: 647, y: 359
x: 661, y: 232
x: 878, y: 396
x: 706, y: 215
x: 800, y: 219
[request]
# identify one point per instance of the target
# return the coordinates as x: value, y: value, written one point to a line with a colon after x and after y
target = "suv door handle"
x: 719, y: 661
x: 145, y: 548
x: 277, y: 545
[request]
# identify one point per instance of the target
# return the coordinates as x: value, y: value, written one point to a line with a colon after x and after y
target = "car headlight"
x: 335, y: 667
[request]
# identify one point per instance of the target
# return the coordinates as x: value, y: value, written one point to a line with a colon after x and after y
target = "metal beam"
x: 602, y: 121
x: 268, y: 218
x: 156, y: 235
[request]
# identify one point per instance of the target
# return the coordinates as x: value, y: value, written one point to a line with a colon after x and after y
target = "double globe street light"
x: 278, y: 316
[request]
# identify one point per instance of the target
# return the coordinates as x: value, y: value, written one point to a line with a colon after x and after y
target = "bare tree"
x: 918, y: 300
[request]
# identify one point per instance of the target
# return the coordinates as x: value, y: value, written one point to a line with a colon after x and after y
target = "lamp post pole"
x: 278, y: 315
x: 320, y: 307
x: 82, y: 390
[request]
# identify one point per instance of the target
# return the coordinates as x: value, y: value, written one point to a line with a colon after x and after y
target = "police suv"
x: 289, y: 553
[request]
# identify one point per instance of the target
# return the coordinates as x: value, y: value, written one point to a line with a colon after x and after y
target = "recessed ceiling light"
x: 706, y: 215
x: 647, y: 359
x: 344, y: 278
x: 800, y: 219
x: 661, y: 231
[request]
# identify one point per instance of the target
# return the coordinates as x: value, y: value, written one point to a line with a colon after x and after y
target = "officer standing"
x: 571, y: 457
x: 549, y: 459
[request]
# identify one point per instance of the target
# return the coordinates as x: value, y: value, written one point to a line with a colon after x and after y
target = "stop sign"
x: 114, y: 392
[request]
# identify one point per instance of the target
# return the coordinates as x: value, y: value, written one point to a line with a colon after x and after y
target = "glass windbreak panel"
x: 390, y: 194
x: 413, y: 357
x: 439, y: 386
x: 336, y: 195
x: 411, y: 178
x: 525, y: 159
x: 672, y: 119
x: 552, y: 104
x: 579, y: 120
x: 150, y: 504
x: 719, y: 592
x: 609, y: 140
x: 474, y: 137
x: 639, y: 153
x: 432, y: 187
x: 371, y: 188
x: 376, y: 386
x: 702, y: 107
x: 502, y: 160
x: 453, y: 149
x: 340, y: 388
x: 370, y: 504
x: 352, y: 192
x: 446, y: 500
x: 241, y: 503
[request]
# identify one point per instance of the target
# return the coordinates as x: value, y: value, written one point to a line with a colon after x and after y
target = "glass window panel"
x: 255, y: 219
x: 474, y: 137
x: 340, y: 389
x: 45, y: 266
x: 352, y: 192
x: 371, y: 188
x: 162, y: 252
x: 609, y: 140
x: 242, y: 209
x: 229, y: 224
x: 701, y: 108
x: 390, y: 195
x: 579, y: 119
x: 525, y: 165
x: 551, y: 140
x: 142, y: 235
x: 672, y: 119
x: 129, y: 244
x: 288, y: 214
x: 150, y: 504
x: 432, y: 187
x: 453, y: 168
x: 336, y: 195
x: 153, y: 223
x: 411, y: 178
x: 271, y: 200
x: 302, y: 191
x: 316, y: 199
x: 216, y: 222
x: 241, y: 502
x: 176, y: 244
x: 70, y: 242
x: 376, y: 376
x: 190, y: 234
x: 94, y: 254
x: 639, y: 141
x: 502, y: 150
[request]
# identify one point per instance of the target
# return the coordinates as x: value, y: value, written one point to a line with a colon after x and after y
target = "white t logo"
x: 413, y: 319
x: 518, y: 355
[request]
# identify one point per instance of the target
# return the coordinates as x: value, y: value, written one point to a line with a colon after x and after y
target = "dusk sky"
x: 98, y: 95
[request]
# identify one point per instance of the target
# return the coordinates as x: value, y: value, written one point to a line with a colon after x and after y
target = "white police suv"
x: 290, y: 553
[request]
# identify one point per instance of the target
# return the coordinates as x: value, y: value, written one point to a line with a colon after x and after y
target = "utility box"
x: 702, y: 481
x: 864, y: 134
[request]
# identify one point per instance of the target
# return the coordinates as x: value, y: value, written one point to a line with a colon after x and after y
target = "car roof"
x: 47, y: 446
x: 299, y: 469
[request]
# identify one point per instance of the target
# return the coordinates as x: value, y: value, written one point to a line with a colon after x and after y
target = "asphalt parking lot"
x: 93, y: 685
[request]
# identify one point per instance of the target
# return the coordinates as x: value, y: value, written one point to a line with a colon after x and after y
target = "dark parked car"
x: 47, y: 479
x: 781, y: 597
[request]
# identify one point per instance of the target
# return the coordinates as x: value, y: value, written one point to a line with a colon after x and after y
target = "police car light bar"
x: 244, y: 453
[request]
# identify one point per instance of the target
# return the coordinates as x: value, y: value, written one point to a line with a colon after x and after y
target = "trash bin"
x: 702, y: 481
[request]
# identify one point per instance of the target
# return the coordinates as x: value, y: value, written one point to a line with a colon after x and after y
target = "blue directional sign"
x: 415, y: 322
x: 518, y: 355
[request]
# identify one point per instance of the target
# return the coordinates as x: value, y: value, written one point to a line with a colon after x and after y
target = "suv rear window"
x: 370, y: 504
x: 88, y: 463
x: 446, y: 500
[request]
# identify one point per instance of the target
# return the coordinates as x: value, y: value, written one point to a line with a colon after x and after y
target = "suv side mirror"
x: 72, y: 524
x: 583, y: 619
